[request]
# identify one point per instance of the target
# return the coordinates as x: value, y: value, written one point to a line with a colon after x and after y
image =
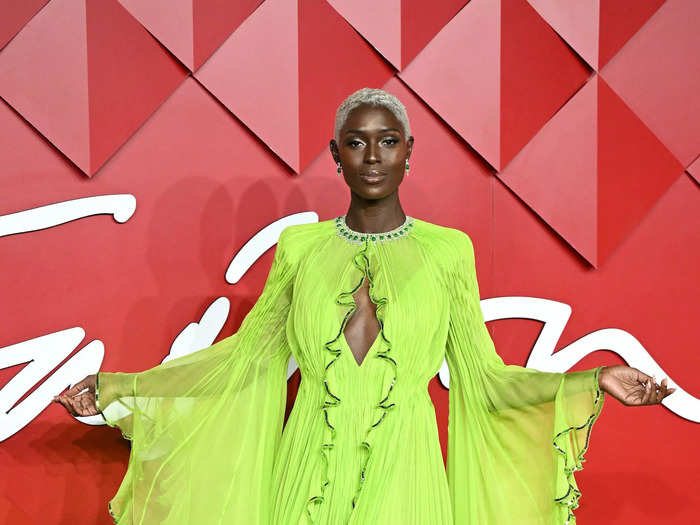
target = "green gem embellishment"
x: 358, y: 237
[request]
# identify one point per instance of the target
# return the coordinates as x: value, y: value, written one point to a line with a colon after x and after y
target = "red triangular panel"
x: 463, y: 87
x: 555, y: 174
x: 619, y: 21
x: 538, y: 75
x: 262, y: 88
x: 15, y: 15
x: 45, y: 78
x: 129, y: 75
x: 214, y: 21
x: 325, y: 84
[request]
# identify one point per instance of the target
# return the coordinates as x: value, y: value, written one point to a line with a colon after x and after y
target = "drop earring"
x: 339, y: 169
x: 407, y: 167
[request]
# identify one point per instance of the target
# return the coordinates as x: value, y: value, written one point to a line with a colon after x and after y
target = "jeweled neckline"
x: 355, y: 237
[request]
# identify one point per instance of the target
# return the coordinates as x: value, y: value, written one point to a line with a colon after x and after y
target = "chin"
x: 376, y: 193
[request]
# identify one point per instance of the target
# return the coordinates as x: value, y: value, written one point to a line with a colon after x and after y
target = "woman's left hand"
x: 632, y: 387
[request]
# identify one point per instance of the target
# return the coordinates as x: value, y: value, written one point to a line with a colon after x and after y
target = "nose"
x: 371, y: 153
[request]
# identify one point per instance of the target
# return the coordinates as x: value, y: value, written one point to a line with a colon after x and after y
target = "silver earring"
x: 339, y: 169
x: 407, y: 167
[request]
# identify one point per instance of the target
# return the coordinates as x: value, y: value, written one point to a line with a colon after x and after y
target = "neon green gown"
x: 361, y: 443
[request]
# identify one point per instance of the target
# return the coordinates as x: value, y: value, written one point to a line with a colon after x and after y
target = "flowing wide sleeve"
x: 204, y: 427
x: 515, y: 435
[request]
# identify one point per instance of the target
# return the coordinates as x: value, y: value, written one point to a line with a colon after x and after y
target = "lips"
x: 372, y: 177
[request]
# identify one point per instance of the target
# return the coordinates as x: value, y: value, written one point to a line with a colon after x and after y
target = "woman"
x: 369, y: 304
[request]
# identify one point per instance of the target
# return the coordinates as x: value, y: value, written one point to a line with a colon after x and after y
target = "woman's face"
x: 372, y: 151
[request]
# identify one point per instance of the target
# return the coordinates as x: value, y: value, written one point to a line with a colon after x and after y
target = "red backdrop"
x: 562, y: 136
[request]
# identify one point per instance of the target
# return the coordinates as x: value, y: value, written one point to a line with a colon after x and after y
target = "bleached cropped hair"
x: 375, y: 97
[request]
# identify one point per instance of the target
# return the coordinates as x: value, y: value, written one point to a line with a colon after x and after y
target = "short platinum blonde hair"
x: 374, y: 97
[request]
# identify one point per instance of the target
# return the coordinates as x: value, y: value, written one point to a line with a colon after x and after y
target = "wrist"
x: 602, y: 373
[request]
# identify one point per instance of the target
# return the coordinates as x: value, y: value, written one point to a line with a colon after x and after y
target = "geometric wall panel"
x: 86, y: 75
x: 191, y: 29
x: 398, y: 29
x: 14, y: 15
x: 694, y: 169
x: 261, y: 89
x: 511, y: 74
x: 593, y: 172
x: 657, y: 73
x: 284, y: 92
x: 596, y: 29
x: 379, y: 22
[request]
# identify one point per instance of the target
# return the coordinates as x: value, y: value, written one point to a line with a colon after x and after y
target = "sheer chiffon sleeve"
x: 204, y: 427
x: 515, y: 435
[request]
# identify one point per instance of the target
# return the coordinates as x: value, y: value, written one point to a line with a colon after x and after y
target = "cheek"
x: 396, y: 156
x: 397, y: 162
x: 353, y: 158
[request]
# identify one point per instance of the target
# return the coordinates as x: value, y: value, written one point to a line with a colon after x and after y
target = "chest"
x: 342, y: 292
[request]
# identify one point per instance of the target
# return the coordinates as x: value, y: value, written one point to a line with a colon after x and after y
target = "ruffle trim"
x: 570, y: 500
x: 385, y: 404
x: 111, y: 513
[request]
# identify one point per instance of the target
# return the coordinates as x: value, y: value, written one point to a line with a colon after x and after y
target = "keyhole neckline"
x: 355, y: 237
x: 370, y: 351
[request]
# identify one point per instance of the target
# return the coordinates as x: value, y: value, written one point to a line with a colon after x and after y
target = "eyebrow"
x: 380, y: 131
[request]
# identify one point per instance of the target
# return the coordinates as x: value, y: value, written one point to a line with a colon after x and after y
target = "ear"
x: 333, y: 145
x: 409, y: 146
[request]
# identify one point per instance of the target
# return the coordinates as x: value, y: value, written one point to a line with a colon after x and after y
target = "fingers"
x: 77, y: 388
x: 654, y: 398
x: 665, y: 390
x: 80, y: 405
x: 77, y: 402
x: 658, y: 392
x: 88, y: 404
x: 67, y: 404
x: 647, y: 392
x: 652, y: 392
x: 671, y: 390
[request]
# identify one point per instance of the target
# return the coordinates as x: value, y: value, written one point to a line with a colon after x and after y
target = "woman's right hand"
x: 80, y: 404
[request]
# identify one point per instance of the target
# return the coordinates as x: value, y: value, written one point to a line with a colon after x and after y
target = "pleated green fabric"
x: 361, y: 443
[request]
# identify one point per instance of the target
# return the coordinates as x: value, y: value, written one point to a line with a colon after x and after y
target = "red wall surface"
x: 143, y: 143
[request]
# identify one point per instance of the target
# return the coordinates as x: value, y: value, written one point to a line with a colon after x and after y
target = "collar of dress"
x: 356, y: 237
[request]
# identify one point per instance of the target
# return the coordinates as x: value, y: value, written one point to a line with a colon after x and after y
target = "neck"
x: 374, y: 216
